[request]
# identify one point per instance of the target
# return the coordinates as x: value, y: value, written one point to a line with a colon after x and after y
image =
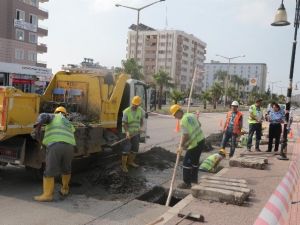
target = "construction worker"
x: 232, y: 127
x: 59, y: 141
x: 211, y: 162
x: 193, y: 141
x: 255, y: 124
x: 133, y: 119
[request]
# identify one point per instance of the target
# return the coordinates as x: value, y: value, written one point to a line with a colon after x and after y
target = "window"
x: 32, y: 56
x: 20, y: 35
x: 34, y: 3
x: 32, y: 38
x: 33, y: 19
x: 20, y: 15
x: 19, y: 54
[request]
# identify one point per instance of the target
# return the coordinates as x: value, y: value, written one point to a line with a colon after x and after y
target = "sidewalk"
x: 262, y: 182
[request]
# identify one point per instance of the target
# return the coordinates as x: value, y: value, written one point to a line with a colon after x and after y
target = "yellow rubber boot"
x: 124, y: 163
x: 65, y: 179
x: 48, y: 188
x: 131, y: 159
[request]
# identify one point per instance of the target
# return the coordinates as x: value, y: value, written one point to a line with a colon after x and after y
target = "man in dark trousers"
x: 255, y: 124
x: 59, y: 141
x: 193, y: 141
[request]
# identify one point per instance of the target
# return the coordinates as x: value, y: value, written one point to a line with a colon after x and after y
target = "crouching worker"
x: 59, y: 141
x: 192, y: 140
x: 211, y: 162
x: 133, y: 119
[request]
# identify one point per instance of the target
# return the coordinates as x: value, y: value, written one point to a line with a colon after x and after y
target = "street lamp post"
x: 138, y: 21
x: 281, y: 20
x: 228, y: 67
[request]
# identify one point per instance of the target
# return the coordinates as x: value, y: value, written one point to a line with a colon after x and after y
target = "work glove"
x: 179, y: 151
x: 127, y: 135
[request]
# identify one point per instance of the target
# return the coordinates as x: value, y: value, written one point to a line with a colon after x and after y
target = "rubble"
x: 249, y: 162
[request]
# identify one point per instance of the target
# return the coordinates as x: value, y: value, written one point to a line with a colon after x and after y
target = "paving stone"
x: 256, y: 157
x: 234, y: 184
x: 247, y: 163
x: 218, y: 194
x: 247, y: 191
x: 225, y: 179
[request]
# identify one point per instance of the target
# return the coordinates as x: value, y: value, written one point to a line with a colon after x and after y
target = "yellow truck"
x: 95, y: 103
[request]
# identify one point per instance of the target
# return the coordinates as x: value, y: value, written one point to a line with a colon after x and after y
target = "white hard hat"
x: 235, y: 103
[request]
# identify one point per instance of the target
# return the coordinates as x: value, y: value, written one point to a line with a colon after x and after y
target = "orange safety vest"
x: 236, y: 124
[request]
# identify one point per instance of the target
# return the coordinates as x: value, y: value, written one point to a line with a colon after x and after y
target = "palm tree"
x: 232, y: 93
x: 162, y: 79
x: 130, y: 66
x: 205, y: 97
x: 176, y: 96
x: 216, y: 92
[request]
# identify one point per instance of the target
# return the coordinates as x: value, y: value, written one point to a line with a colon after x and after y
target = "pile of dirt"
x: 157, y: 158
x: 117, y: 182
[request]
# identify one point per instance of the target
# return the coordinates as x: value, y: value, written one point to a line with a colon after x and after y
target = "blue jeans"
x: 229, y: 135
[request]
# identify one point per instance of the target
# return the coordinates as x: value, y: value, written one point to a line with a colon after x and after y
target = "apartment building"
x: 173, y: 51
x: 255, y: 73
x: 20, y: 32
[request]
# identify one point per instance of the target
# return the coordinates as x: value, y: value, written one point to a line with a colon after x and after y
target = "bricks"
x: 249, y: 162
x: 222, y: 189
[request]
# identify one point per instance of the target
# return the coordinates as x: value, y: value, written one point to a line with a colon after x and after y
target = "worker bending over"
x: 193, y: 141
x: 132, y: 123
x: 211, y: 162
x: 59, y: 141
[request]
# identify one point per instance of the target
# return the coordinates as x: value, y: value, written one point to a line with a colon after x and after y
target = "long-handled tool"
x: 122, y: 140
x: 178, y: 153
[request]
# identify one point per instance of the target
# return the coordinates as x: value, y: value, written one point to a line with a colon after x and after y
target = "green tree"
x: 162, y: 79
x: 176, y: 96
x: 205, y: 97
x: 217, y: 92
x: 130, y: 66
x: 232, y: 93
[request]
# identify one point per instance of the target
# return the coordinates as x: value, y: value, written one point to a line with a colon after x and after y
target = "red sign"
x: 22, y: 81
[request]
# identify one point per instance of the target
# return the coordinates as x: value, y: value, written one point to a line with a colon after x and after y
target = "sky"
x: 97, y: 29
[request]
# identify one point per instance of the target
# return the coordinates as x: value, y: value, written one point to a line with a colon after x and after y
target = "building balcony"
x: 43, y: 13
x: 41, y: 48
x: 42, y: 31
x: 41, y: 64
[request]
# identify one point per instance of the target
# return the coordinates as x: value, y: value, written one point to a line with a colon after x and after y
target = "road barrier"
x: 277, y: 208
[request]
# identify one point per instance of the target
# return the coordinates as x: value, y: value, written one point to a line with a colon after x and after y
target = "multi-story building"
x: 172, y: 51
x: 255, y: 73
x: 19, y: 44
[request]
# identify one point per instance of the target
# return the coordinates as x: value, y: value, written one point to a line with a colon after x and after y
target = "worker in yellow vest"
x: 132, y: 123
x: 255, y: 124
x: 232, y: 127
x: 193, y: 141
x: 211, y: 162
x: 59, y: 141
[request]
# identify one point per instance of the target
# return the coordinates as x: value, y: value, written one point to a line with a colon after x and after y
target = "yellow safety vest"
x: 133, y: 120
x: 59, y: 130
x: 210, y: 162
x: 254, y: 111
x: 190, y: 122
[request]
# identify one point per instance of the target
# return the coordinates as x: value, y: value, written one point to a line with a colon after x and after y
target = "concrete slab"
x: 218, y: 178
x: 223, y: 183
x: 250, y: 162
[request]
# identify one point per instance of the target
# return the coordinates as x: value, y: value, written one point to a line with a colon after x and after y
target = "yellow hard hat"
x: 174, y: 109
x: 136, y: 100
x: 222, y: 152
x: 60, y: 109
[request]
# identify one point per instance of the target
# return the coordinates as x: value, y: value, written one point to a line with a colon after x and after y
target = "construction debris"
x: 253, y: 162
x: 232, y: 191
